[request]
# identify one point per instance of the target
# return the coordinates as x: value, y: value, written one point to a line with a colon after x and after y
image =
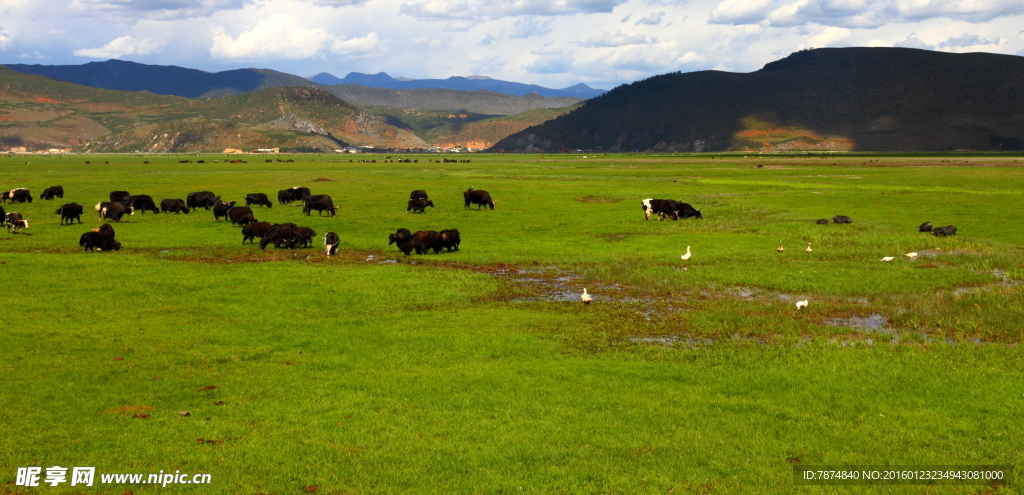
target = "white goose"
x: 801, y: 304
x: 585, y: 297
x: 808, y: 248
x: 687, y: 255
x: 888, y: 258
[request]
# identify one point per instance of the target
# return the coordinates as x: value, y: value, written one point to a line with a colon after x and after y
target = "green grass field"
x: 479, y: 371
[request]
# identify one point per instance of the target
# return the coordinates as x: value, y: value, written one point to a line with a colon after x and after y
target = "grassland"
x: 478, y: 371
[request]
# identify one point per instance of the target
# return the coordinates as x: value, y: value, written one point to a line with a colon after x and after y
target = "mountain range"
x: 836, y: 99
x: 472, y: 83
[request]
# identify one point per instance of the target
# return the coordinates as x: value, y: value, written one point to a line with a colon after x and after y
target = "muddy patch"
x: 870, y: 322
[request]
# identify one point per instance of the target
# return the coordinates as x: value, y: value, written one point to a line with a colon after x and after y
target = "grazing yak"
x: 19, y: 195
x: 418, y: 194
x: 14, y: 221
x: 821, y: 221
x: 95, y: 240
x: 450, y: 239
x: 144, y: 202
x: 842, y: 219
x: 944, y: 231
x: 419, y: 205
x: 331, y: 241
x: 258, y: 199
x: 113, y: 211
x: 400, y: 237
x: 122, y: 197
x: 220, y: 209
x: 69, y: 213
x: 173, y: 206
x: 241, y: 215
x: 319, y: 202
x: 253, y: 230
x: 288, y: 196
x: 304, y: 236
x: 52, y: 192
x: 423, y: 241
x: 282, y: 234
x: 201, y: 199
x: 3, y: 213
x: 479, y: 198
x: 925, y: 227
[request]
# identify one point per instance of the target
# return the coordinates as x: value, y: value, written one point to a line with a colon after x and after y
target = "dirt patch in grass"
x: 131, y: 409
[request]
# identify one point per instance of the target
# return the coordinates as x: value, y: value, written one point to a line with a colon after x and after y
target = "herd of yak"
x: 290, y: 235
x: 287, y: 235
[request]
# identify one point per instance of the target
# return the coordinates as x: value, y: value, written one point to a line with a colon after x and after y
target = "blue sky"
x: 555, y: 43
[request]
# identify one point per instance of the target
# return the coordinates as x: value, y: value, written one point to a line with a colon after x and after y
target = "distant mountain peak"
x: 480, y: 78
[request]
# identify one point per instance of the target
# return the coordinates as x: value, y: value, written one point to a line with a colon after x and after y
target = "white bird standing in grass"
x: 687, y: 255
x: 585, y: 297
x: 808, y: 248
x: 801, y: 304
x: 781, y: 249
x: 888, y: 258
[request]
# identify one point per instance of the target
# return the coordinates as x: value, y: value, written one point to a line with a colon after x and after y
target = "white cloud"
x: 615, y: 38
x: 652, y: 59
x: 968, y: 40
x: 119, y: 47
x: 5, y: 39
x: 487, y: 40
x: 426, y: 43
x: 280, y: 36
x: 472, y: 9
x: 859, y: 13
x: 651, y: 20
x: 831, y: 36
x: 150, y: 9
x: 551, y: 63
x: 912, y: 41
x: 529, y: 26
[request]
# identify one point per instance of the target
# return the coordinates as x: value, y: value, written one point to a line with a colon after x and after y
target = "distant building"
x: 268, y: 150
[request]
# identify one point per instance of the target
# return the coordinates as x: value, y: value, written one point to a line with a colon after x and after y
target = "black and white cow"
x: 419, y: 205
x: 144, y: 202
x: 113, y: 211
x: 52, y: 192
x: 842, y: 219
x: 661, y: 207
x: 479, y: 198
x: 220, y: 209
x: 258, y: 199
x: 253, y: 230
x: 69, y: 213
x: 450, y: 239
x: 14, y: 221
x: 241, y: 215
x: 331, y: 241
x: 944, y: 231
x: 925, y: 227
x: 201, y: 199
x: 319, y: 202
x: 19, y: 195
x: 122, y: 197
x: 173, y: 206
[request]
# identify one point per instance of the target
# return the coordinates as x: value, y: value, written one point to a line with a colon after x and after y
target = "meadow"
x: 479, y: 371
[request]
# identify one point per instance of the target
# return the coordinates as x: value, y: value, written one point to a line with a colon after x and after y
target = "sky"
x: 553, y: 43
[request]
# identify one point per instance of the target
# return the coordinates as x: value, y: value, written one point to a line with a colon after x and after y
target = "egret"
x: 585, y: 297
x: 808, y: 248
x: 687, y: 255
x: 801, y: 304
x: 888, y: 258
x: 781, y: 249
